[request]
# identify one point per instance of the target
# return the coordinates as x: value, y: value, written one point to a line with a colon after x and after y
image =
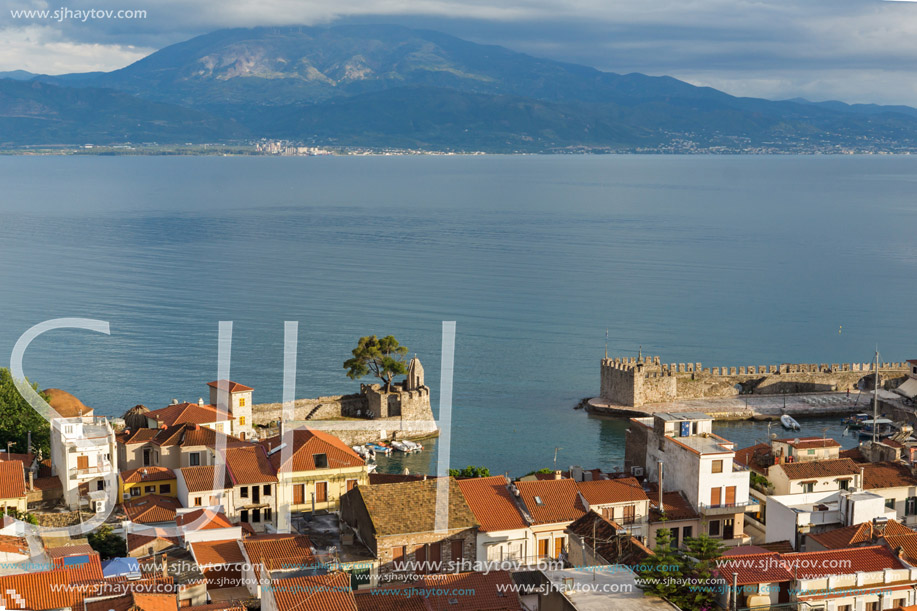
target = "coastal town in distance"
x: 227, y: 504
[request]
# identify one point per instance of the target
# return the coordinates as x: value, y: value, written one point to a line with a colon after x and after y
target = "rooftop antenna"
x: 875, y: 400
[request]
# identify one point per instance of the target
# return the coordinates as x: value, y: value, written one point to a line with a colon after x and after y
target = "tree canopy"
x: 685, y: 577
x: 470, y: 471
x: 107, y: 543
x: 384, y: 358
x: 18, y: 418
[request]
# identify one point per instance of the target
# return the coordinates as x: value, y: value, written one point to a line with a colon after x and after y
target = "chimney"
x: 200, y: 401
x: 659, y: 467
x: 558, y: 474
x: 28, y: 443
x: 165, y: 567
x: 31, y: 480
x: 862, y: 485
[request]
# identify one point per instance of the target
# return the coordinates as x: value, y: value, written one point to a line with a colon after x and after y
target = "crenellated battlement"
x: 634, y: 381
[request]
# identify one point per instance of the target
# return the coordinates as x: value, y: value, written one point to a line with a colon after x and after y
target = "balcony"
x: 102, y: 468
x: 723, y: 509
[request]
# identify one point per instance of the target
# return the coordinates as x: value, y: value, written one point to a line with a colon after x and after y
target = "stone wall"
x: 637, y: 381
x: 319, y: 408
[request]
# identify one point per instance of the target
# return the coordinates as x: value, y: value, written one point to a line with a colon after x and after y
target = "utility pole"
x: 875, y: 401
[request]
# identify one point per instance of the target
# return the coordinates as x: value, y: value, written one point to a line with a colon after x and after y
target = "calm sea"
x: 724, y: 260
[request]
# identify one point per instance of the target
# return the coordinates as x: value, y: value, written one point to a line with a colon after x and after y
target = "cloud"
x: 848, y: 49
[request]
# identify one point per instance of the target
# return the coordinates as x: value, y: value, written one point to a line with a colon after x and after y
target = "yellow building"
x: 143, y: 481
x: 319, y: 469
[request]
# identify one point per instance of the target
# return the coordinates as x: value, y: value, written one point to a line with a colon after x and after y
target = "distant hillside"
x: 393, y: 86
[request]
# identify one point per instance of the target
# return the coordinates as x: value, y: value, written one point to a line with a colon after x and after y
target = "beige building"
x: 229, y: 411
x: 13, y: 490
x: 814, y: 476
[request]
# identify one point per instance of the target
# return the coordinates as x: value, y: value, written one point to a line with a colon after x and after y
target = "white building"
x: 84, y: 455
x: 504, y: 534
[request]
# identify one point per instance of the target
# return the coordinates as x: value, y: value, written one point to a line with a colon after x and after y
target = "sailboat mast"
x: 875, y: 401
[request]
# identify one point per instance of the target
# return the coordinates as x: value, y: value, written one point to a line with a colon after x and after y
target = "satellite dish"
x: 795, y: 441
x: 773, y: 435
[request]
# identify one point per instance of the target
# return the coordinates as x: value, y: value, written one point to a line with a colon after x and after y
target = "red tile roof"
x: 887, y: 475
x: 151, y: 508
x: 405, y: 599
x: 550, y: 501
x: 808, y: 565
x: 752, y: 457
x: 819, y: 468
x: 675, y: 506
x: 849, y: 536
x: 492, y: 503
x: 483, y: 592
x: 249, y: 465
x: 209, y: 553
x: 137, y: 540
x: 70, y: 550
x: 201, y: 479
x: 330, y: 592
x: 188, y: 413
x: 233, y: 386
x: 12, y: 480
x: 136, y: 601
x: 306, y: 444
x: 14, y: 545
x: 767, y: 567
x: 36, y: 591
x: 609, y: 491
x: 808, y: 443
x: 147, y: 474
x: 279, y: 551
x: 211, y: 519
x: 80, y: 569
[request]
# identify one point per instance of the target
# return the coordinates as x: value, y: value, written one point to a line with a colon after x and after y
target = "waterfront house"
x: 13, y: 490
x: 620, y: 500
x: 313, y: 470
x: 552, y: 506
x: 84, y: 456
x: 254, y: 487
x: 205, y: 486
x: 697, y: 462
x: 895, y: 482
x: 674, y: 513
x: 144, y: 481
x: 815, y: 476
x: 397, y: 522
x: 503, y: 532
x: 228, y: 412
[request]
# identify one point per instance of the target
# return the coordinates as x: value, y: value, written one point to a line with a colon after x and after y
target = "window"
x: 717, y: 466
x: 165, y: 488
x: 630, y: 512
x: 194, y: 459
x: 910, y: 506
x: 241, y: 420
x: 351, y: 484
x: 811, y: 452
x: 398, y: 556
x: 899, y: 602
x: 686, y: 531
x: 256, y: 515
x: 135, y: 491
x: 267, y: 514
x: 266, y: 490
x: 715, y: 498
x: 241, y: 404
x: 843, y: 484
x: 82, y: 462
x: 728, y: 528
x: 543, y: 548
x: 713, y: 528
x: 243, y: 492
x: 808, y: 487
x: 436, y: 555
x: 244, y: 516
x: 844, y: 608
x: 197, y: 502
x: 320, y: 460
x: 321, y: 492
x: 890, y: 503
x: 149, y: 489
x: 538, y: 501
x: 873, y: 606
x: 100, y: 485
x: 559, y: 547
x: 457, y: 553
x: 299, y: 494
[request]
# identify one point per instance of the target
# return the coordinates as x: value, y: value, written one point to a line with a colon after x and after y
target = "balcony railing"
x: 103, y: 468
x: 726, y: 508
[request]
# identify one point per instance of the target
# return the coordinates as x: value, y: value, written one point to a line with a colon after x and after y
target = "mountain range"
x: 391, y: 86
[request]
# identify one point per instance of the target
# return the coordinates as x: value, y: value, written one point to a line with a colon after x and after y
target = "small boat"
x: 413, y: 445
x: 883, y: 428
x: 379, y: 449
x: 855, y: 421
x: 402, y: 447
x: 789, y: 422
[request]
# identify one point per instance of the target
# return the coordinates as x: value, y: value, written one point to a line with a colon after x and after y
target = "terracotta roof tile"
x: 249, y: 465
x: 12, y: 480
x: 200, y: 479
x: 280, y: 551
x: 208, y: 553
x: 372, y: 600
x: 485, y: 592
x: 146, y: 474
x: 492, y: 503
x: 138, y: 540
x: 674, y: 503
x: 80, y: 549
x: 550, y: 501
x: 151, y: 508
x: 130, y: 437
x: 607, y: 544
x: 856, y: 534
x: 608, y: 491
x: 808, y: 443
x: 188, y: 413
x: 38, y: 591
x: 227, y: 606
x: 211, y: 519
x: 819, y: 468
x: 136, y: 601
x: 232, y: 386
x: 14, y: 545
x: 853, y: 454
x: 330, y: 592
x: 395, y: 478
x: 410, y: 507
x: 80, y: 569
x: 753, y: 457
x: 887, y: 475
x: 307, y: 443
x: 807, y: 565
x: 756, y: 568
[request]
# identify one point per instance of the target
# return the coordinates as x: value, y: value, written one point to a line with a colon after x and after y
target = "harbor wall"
x: 634, y: 382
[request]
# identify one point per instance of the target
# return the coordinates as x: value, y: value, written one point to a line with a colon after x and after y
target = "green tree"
x: 383, y: 358
x: 662, y: 574
x: 701, y: 556
x: 26, y: 517
x: 470, y: 471
x: 544, y: 471
x: 107, y: 543
x: 18, y: 419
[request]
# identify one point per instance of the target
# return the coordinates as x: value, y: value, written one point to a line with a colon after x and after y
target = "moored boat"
x: 789, y: 422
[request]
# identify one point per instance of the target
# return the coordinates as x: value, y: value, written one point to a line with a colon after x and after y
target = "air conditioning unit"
x: 636, y: 471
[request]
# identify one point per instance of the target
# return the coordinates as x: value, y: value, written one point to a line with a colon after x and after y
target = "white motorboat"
x: 402, y: 447
x: 413, y: 445
x: 789, y: 422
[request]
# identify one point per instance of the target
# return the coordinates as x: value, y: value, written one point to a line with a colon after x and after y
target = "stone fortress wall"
x: 634, y: 382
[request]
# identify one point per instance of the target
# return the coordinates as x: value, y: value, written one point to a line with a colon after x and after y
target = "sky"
x: 849, y: 50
